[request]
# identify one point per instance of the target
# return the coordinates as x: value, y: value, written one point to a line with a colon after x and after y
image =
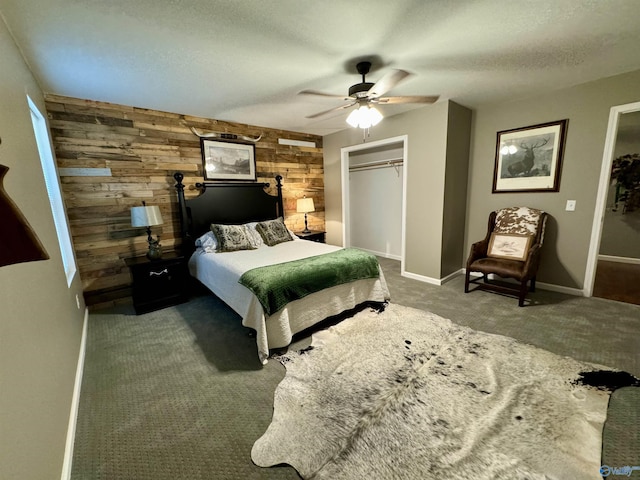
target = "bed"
x: 247, y: 205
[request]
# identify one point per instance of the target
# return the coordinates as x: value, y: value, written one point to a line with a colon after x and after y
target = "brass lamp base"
x: 306, y: 228
x: 154, y: 252
x: 155, y: 249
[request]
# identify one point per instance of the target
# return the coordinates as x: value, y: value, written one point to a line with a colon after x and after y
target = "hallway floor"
x: 618, y: 281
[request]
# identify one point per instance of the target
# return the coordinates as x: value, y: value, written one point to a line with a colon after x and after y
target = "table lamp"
x: 305, y: 205
x: 147, y: 217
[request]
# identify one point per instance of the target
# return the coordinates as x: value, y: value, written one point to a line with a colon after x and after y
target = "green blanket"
x: 277, y: 285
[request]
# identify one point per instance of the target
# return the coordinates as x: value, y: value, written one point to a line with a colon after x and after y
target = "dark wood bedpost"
x: 280, y: 202
x: 182, y: 206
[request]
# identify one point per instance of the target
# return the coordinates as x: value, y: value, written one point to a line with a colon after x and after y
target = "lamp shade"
x: 305, y: 205
x: 145, y: 216
x: 364, y: 117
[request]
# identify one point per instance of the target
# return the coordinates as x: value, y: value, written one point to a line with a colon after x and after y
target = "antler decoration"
x: 228, y: 136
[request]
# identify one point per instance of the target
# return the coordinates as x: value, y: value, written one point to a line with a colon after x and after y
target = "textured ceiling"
x: 245, y: 60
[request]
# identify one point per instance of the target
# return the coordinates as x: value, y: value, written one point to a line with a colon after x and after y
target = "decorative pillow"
x: 273, y: 232
x: 207, y: 242
x: 511, y: 246
x: 231, y: 237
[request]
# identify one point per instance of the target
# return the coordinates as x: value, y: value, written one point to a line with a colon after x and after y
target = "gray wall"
x: 455, y: 196
x: 428, y: 136
x: 40, y: 324
x: 564, y: 257
x: 568, y: 234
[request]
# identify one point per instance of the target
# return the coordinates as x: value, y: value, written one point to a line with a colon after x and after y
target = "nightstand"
x: 314, y: 236
x: 158, y: 283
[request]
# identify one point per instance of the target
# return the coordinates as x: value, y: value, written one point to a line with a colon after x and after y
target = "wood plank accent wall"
x: 118, y: 156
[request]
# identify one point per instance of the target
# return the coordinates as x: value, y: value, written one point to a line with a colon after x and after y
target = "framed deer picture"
x: 529, y: 159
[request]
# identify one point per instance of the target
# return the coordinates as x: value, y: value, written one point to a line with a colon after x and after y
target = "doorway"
x: 374, y: 197
x: 613, y: 269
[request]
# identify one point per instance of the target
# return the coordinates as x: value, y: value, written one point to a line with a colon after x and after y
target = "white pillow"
x: 208, y: 242
x: 293, y: 235
x: 254, y: 236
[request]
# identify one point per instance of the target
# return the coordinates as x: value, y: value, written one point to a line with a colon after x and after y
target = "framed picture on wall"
x: 529, y: 159
x: 223, y: 160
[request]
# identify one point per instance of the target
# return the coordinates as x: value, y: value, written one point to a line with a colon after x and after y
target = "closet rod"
x: 380, y: 163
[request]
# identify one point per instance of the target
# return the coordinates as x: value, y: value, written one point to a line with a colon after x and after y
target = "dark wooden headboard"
x: 231, y: 203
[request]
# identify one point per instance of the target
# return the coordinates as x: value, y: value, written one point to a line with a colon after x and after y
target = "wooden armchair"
x: 511, y: 249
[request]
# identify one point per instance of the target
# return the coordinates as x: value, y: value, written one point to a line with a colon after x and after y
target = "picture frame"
x: 509, y: 246
x: 225, y: 160
x: 529, y: 159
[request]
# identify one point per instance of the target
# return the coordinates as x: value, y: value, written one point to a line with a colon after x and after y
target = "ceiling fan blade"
x: 387, y: 82
x: 341, y: 107
x: 322, y: 94
x: 407, y: 99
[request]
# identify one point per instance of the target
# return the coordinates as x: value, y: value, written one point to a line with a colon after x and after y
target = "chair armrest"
x: 533, y: 260
x: 478, y: 250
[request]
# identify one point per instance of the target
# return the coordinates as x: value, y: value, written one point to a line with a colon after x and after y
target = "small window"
x: 53, y: 189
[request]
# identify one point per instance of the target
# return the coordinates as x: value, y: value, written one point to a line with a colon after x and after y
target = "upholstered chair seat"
x: 511, y: 249
x: 501, y: 267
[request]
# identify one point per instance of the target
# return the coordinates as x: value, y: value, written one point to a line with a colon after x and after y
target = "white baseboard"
x: 421, y: 278
x: 452, y: 276
x: 562, y: 289
x: 75, y: 403
x: 430, y: 280
x: 612, y: 258
x: 381, y: 254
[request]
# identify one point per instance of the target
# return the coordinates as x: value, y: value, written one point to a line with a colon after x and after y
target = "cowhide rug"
x: 405, y: 394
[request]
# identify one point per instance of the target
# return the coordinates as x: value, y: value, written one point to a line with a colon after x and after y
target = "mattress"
x: 220, y: 273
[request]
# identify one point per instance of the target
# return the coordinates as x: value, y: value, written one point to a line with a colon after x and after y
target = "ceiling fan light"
x: 375, y: 115
x: 364, y: 117
x: 354, y: 118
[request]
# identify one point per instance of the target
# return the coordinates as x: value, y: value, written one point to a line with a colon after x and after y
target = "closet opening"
x: 374, y: 197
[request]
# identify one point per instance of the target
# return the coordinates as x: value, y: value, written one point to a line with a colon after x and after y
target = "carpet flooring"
x: 180, y: 394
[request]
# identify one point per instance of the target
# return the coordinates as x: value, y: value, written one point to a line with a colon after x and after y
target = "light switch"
x: 571, y: 205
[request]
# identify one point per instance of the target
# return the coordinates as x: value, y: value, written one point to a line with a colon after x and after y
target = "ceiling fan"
x: 367, y: 94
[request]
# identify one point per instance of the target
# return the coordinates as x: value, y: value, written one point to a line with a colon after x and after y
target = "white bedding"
x: 220, y: 273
